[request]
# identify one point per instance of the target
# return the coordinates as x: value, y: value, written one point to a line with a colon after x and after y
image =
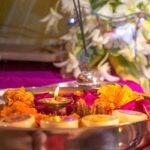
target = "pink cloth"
x: 15, y: 79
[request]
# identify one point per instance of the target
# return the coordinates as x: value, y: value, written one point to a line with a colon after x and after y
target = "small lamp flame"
x: 56, y: 92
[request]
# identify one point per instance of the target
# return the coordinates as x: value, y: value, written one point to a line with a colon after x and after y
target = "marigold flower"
x: 115, y: 96
x: 6, y: 111
x: 19, y: 102
x: 19, y: 95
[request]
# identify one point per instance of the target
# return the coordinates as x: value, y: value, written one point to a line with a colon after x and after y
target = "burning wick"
x: 56, y: 92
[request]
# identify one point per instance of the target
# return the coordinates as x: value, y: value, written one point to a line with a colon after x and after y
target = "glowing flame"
x: 56, y: 91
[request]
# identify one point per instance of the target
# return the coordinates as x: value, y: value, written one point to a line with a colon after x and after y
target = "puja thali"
x: 127, y: 136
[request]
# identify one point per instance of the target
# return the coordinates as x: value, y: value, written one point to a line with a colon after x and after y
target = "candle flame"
x: 56, y: 91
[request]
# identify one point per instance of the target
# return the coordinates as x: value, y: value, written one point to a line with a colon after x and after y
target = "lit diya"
x: 129, y: 116
x: 59, y: 122
x: 57, y: 102
x: 99, y: 120
x: 24, y: 121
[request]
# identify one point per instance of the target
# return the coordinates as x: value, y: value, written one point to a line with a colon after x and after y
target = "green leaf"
x: 140, y: 5
x: 98, y: 4
x: 132, y: 67
x: 125, y: 68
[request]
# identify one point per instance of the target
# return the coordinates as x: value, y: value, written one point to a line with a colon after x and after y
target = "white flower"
x: 126, y: 32
x: 111, y: 40
x: 61, y: 64
x: 104, y: 71
x: 89, y: 23
x: 76, y: 72
x: 106, y: 10
x: 73, y: 65
x: 70, y: 39
x: 97, y: 39
x: 52, y: 20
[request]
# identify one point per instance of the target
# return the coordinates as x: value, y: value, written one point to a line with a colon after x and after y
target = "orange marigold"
x: 114, y: 96
x: 6, y: 111
x: 19, y: 95
x: 38, y: 118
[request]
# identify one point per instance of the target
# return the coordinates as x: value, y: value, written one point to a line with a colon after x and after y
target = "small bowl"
x: 89, y: 79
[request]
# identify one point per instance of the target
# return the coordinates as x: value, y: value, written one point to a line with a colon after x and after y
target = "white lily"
x: 61, y: 64
x: 126, y: 32
x: 97, y: 38
x: 106, y: 10
x: 104, y: 71
x: 73, y: 63
x: 76, y: 72
x: 111, y: 40
x: 52, y: 20
x: 89, y: 23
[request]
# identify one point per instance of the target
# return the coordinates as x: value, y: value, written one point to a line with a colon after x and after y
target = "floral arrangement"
x: 20, y: 102
x: 99, y: 101
x: 117, y: 38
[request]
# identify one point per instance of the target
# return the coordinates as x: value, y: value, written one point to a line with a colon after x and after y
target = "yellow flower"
x: 115, y: 96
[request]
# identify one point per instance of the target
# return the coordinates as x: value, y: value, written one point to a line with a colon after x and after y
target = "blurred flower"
x: 73, y: 65
x: 126, y: 32
x: 97, y: 38
x: 129, y: 6
x: 89, y: 24
x: 52, y: 20
x: 118, y: 97
x: 106, y: 10
x: 113, y: 41
x: 89, y: 97
x: 105, y: 73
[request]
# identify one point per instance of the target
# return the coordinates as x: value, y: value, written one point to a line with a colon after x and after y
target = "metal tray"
x: 122, y: 137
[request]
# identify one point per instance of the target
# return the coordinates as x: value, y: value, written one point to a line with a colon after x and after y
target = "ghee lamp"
x: 24, y: 121
x: 99, y: 120
x: 129, y: 116
x: 56, y: 102
x: 59, y: 122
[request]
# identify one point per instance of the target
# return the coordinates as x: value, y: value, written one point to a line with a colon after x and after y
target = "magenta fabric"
x: 15, y: 79
x: 134, y: 86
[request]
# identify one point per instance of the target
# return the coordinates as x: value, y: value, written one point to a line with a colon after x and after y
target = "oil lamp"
x: 56, y: 102
x: 59, y: 122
